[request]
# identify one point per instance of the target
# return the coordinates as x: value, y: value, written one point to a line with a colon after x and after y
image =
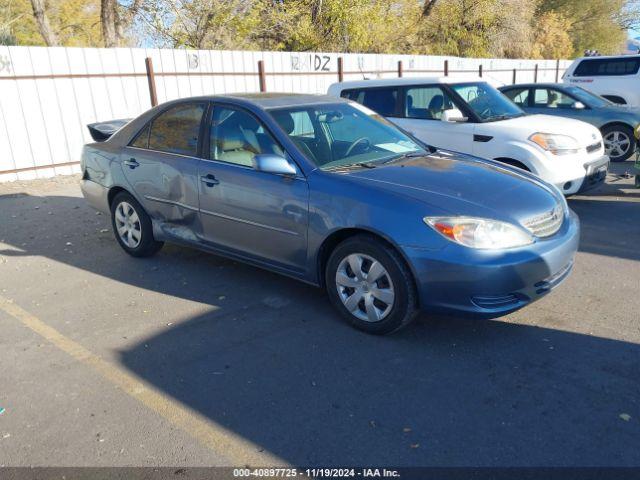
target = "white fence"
x: 49, y: 95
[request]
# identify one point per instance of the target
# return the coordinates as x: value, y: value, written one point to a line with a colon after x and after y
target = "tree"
x: 42, y: 19
x: 552, y: 40
x: 592, y: 24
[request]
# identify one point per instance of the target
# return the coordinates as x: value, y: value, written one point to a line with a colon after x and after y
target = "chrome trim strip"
x: 248, y: 222
x: 171, y: 202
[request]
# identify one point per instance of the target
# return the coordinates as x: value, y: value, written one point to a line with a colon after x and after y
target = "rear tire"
x: 132, y: 226
x: 379, y: 305
x: 619, y: 142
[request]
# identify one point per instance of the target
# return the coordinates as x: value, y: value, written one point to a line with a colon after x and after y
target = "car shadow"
x: 276, y: 366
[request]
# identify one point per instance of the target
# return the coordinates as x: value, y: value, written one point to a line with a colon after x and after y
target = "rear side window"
x: 519, y: 96
x: 177, y: 129
x: 380, y: 100
x: 142, y: 140
x: 607, y: 67
x: 426, y: 102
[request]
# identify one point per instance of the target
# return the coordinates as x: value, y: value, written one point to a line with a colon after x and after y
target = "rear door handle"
x: 131, y: 163
x: 209, y: 180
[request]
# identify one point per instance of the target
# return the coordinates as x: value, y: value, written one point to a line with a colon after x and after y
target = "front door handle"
x: 131, y: 163
x: 209, y: 180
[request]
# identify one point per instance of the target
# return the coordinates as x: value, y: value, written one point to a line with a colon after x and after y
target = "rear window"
x: 596, y: 67
x: 380, y: 100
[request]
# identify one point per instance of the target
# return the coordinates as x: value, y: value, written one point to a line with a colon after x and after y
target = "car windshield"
x: 344, y: 135
x: 588, y: 98
x: 487, y: 102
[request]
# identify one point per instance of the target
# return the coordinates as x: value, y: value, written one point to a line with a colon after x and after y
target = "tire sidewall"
x: 403, y: 309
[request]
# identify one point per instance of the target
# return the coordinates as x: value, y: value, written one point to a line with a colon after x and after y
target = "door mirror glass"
x: 453, y: 115
x: 579, y: 105
x: 275, y: 164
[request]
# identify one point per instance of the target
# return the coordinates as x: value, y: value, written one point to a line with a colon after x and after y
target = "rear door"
x: 161, y: 165
x: 259, y: 215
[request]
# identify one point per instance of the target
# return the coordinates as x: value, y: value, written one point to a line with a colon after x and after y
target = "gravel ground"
x: 191, y: 359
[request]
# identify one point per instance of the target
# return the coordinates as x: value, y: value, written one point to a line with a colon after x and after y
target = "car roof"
x: 530, y: 85
x: 279, y: 100
x: 264, y: 101
x: 606, y: 57
x: 385, y: 82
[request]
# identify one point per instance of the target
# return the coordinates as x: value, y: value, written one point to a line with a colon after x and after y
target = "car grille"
x: 546, y: 224
x: 594, y: 147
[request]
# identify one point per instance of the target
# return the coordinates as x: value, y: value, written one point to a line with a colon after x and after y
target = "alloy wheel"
x: 128, y: 224
x: 616, y: 143
x: 365, y: 287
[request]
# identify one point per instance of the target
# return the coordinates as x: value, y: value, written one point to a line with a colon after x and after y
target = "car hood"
x: 526, y: 125
x: 458, y: 184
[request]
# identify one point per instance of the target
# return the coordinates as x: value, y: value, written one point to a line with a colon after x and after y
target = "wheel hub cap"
x: 365, y: 287
x: 128, y: 224
x: 616, y: 144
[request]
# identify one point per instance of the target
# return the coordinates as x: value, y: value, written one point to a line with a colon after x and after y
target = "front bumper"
x: 493, y: 283
x: 596, y: 173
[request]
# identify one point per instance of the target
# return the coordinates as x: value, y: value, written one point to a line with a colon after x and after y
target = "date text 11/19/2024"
x: 316, y: 472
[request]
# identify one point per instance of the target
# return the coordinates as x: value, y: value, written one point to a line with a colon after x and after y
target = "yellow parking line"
x: 224, y: 442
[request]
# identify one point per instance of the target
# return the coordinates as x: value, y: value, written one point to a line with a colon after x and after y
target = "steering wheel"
x: 362, y: 140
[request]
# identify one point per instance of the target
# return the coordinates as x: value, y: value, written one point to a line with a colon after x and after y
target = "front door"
x: 255, y: 214
x: 161, y: 165
x: 423, y: 107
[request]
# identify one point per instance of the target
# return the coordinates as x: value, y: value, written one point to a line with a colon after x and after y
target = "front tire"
x: 371, y: 286
x: 619, y: 142
x: 132, y: 226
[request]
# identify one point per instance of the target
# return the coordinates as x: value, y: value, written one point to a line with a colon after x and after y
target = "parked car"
x: 328, y: 192
x: 616, y: 78
x: 617, y: 123
x: 473, y: 117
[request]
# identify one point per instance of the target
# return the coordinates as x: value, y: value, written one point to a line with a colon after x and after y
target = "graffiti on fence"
x: 5, y: 64
x: 312, y: 62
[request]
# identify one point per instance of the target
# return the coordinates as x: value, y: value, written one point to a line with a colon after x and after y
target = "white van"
x: 473, y: 117
x: 615, y: 78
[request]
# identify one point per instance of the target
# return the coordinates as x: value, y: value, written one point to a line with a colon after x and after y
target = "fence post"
x: 535, y: 74
x: 261, y: 77
x: 557, y: 69
x: 399, y: 68
x: 151, y: 79
x: 514, y: 76
x: 340, y: 70
x: 480, y: 70
x: 446, y: 68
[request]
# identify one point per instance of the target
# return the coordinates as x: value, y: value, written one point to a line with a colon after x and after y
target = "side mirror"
x: 453, y: 115
x: 579, y: 106
x: 275, y: 164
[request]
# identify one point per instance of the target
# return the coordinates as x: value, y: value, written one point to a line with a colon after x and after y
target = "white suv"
x: 473, y: 117
x: 615, y: 78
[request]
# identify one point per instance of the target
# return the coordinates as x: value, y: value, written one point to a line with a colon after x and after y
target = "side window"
x: 177, y: 129
x: 426, y: 103
x: 551, y: 98
x: 236, y: 137
x: 380, y: 100
x: 519, y: 96
x: 607, y: 67
x: 142, y: 139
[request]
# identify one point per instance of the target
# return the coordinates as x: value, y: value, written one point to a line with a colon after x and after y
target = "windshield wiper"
x: 405, y: 155
x: 350, y: 166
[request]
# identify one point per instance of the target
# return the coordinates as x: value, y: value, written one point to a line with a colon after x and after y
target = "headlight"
x: 479, y: 232
x: 556, y: 144
x: 636, y: 132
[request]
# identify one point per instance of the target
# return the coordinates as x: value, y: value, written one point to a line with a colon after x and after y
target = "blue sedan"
x: 617, y: 123
x: 328, y: 192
